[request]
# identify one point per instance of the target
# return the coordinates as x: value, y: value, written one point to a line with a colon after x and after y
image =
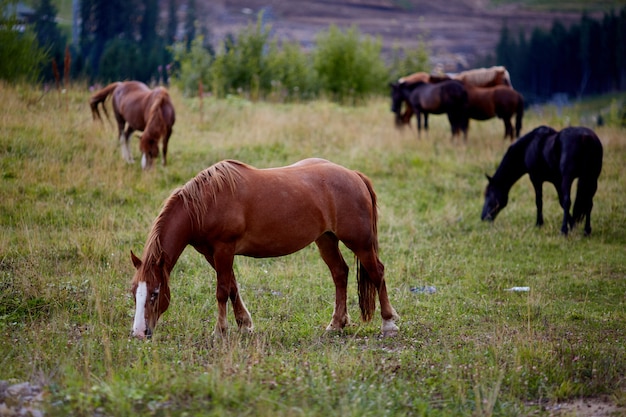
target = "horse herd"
x: 232, y: 208
x: 478, y: 94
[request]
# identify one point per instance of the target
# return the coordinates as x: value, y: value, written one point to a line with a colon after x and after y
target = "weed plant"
x: 72, y: 209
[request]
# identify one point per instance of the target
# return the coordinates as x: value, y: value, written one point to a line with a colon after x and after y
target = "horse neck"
x: 170, y: 233
x: 512, y: 167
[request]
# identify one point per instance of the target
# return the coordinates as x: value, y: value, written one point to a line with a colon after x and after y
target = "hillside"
x: 458, y: 31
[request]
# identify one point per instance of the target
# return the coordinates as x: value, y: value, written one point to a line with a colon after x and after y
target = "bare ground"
x: 458, y: 31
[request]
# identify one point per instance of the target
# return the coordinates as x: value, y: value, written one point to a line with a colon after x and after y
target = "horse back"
x: 131, y: 103
x: 278, y: 211
x: 581, y: 152
x: 440, y: 97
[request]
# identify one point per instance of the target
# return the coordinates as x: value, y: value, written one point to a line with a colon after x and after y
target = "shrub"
x: 349, y: 68
x: 291, y: 72
x: 194, y: 65
x: 21, y: 57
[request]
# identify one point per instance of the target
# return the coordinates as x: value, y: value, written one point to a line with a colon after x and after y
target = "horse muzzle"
x: 146, y: 162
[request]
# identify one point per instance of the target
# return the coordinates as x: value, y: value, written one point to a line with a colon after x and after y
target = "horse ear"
x: 488, y: 178
x: 135, y: 259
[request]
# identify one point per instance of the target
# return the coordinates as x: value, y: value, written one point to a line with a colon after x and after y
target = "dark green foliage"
x: 585, y: 59
x: 349, y: 67
x: 21, y: 57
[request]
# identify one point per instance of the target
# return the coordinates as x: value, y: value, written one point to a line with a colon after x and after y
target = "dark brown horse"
x: 500, y: 101
x: 556, y: 157
x: 447, y: 97
x: 234, y: 209
x: 137, y: 107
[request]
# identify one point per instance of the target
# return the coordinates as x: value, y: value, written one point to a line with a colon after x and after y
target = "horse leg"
x: 583, y: 205
x: 124, y: 139
x: 227, y: 289
x: 566, y: 202
x: 166, y: 139
x: 376, y: 271
x: 328, y: 245
x: 418, y: 115
x: 538, y: 185
x: 508, y: 128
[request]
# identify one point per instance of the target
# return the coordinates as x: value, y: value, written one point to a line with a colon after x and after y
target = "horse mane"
x: 193, y: 196
x: 415, y: 77
x: 155, y: 125
x: 483, y: 76
x: 209, y: 182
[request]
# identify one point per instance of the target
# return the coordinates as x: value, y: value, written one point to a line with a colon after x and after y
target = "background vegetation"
x: 585, y: 59
x: 71, y: 211
x: 121, y: 40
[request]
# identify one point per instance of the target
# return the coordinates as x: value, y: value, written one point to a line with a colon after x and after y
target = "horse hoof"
x: 247, y: 329
x: 389, y: 328
x: 392, y: 333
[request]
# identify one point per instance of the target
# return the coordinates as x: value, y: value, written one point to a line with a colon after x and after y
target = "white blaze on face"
x: 139, y: 326
x: 144, y: 161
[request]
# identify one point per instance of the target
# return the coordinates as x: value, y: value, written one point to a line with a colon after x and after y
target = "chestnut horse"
x: 556, y: 157
x: 137, y: 107
x: 447, y: 97
x: 233, y: 209
x: 500, y: 101
x: 479, y: 77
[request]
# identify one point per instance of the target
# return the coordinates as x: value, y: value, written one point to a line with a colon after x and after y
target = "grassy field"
x: 72, y: 209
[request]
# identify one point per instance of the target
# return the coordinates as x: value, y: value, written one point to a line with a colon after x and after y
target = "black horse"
x: 556, y: 157
x: 448, y: 97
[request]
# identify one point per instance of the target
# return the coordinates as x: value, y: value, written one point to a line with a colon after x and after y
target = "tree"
x: 49, y: 36
x: 172, y: 23
x: 21, y: 57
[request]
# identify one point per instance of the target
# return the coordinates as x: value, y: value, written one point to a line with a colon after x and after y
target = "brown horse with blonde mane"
x: 503, y: 102
x: 137, y: 107
x: 232, y: 209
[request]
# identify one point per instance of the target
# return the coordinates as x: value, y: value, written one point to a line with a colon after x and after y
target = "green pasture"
x: 71, y: 210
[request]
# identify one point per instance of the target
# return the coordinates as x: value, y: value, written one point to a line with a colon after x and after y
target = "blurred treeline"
x: 588, y: 58
x: 136, y: 39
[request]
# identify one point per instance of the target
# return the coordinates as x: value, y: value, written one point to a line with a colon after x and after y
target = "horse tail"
x: 366, y: 287
x: 519, y: 114
x: 588, y: 181
x: 99, y: 97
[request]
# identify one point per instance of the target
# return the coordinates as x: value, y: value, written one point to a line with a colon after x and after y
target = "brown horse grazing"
x: 556, y: 157
x: 500, y: 101
x: 447, y: 97
x: 137, y: 107
x: 479, y: 77
x: 233, y: 209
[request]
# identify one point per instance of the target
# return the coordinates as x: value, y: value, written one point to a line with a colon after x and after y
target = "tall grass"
x: 72, y: 210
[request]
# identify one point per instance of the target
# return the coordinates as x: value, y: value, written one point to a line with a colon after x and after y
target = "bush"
x: 243, y: 64
x: 120, y: 60
x: 349, y: 68
x: 405, y: 62
x: 194, y: 66
x: 21, y: 57
x: 291, y: 71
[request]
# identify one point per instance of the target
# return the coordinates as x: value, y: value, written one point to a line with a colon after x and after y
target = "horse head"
x: 495, y: 200
x: 396, y: 97
x: 151, y: 293
x: 149, y: 147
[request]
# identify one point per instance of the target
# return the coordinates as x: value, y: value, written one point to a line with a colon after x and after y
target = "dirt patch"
x: 458, y: 31
x: 586, y: 408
